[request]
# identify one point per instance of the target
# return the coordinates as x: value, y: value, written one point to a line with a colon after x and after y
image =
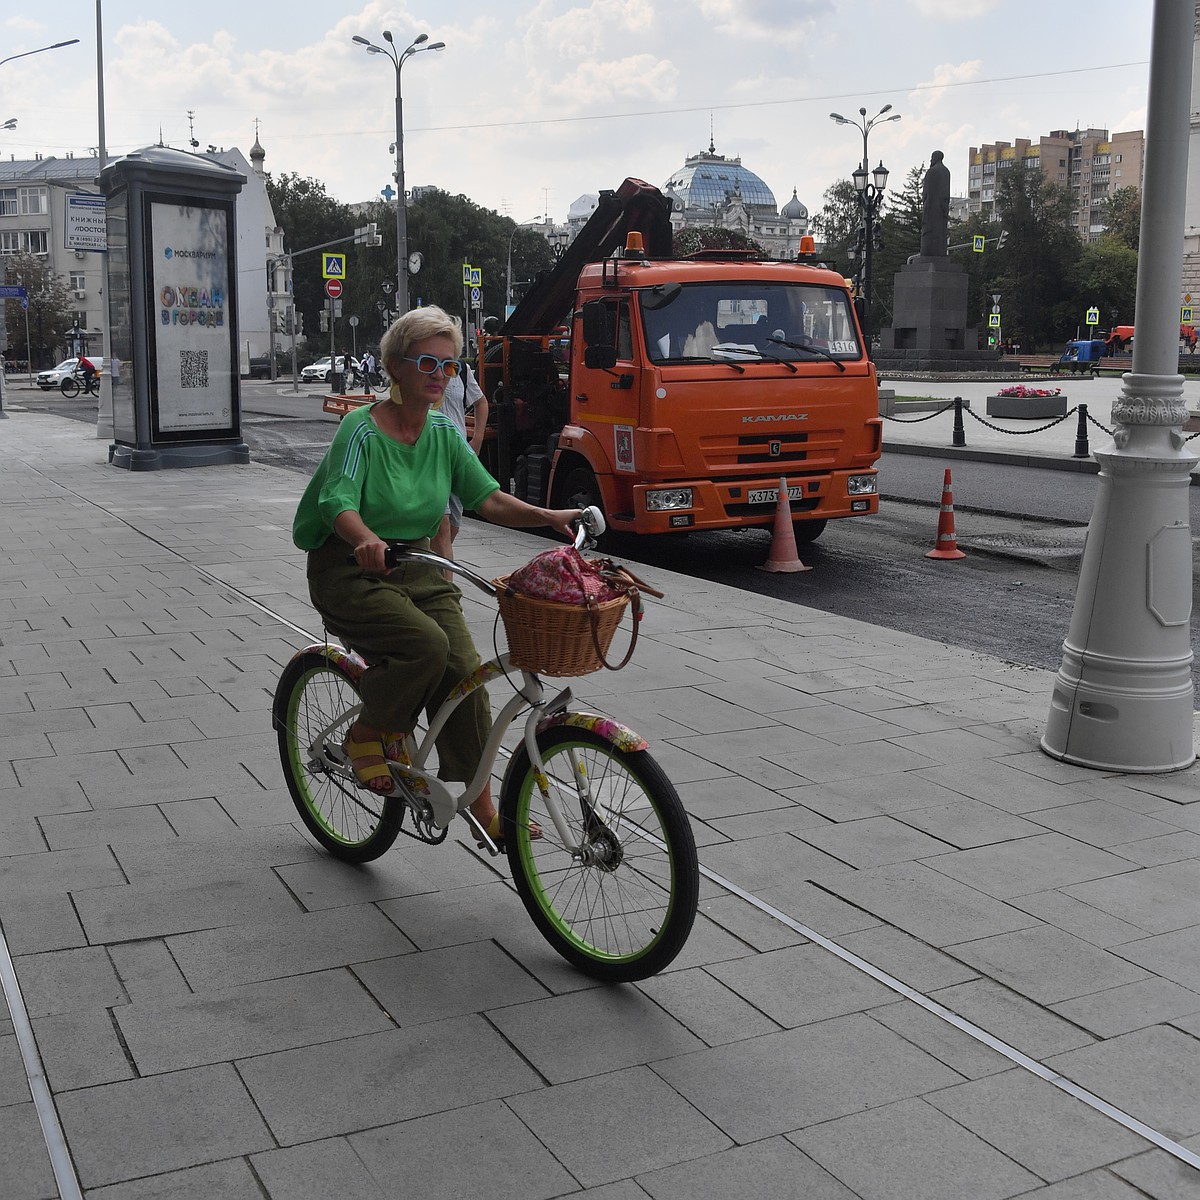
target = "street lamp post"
x: 39, y: 50
x: 508, y: 284
x: 870, y: 194
x: 399, y: 58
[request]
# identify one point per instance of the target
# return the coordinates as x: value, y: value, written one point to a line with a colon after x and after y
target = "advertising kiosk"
x: 172, y: 310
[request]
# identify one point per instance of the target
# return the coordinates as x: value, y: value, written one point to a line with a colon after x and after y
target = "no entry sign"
x: 333, y: 288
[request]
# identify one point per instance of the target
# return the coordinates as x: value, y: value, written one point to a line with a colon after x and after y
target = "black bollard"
x: 1081, y: 437
x: 960, y: 434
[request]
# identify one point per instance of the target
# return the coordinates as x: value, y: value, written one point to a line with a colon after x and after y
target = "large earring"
x: 394, y: 392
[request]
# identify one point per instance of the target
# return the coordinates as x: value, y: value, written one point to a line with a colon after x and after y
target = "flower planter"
x: 1027, y: 408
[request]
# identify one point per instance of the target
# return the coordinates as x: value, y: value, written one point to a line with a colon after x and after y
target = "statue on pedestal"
x: 935, y: 211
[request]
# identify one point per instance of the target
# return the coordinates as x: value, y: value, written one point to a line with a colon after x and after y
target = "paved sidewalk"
x: 916, y: 932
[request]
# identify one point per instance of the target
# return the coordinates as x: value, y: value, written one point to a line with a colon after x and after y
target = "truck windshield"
x: 744, y: 321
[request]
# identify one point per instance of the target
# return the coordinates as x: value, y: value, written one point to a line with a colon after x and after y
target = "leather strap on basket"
x: 635, y: 608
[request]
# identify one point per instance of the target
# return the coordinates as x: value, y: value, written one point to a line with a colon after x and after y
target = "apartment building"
x: 1088, y: 162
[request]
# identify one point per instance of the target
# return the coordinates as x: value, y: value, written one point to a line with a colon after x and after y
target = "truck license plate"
x: 771, y: 495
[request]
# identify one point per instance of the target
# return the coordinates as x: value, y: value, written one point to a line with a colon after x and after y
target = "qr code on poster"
x: 193, y: 368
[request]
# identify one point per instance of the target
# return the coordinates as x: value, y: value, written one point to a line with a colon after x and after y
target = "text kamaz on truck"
x: 691, y: 386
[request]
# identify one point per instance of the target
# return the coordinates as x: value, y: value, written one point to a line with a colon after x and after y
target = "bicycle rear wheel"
x: 314, y: 695
x: 622, y: 907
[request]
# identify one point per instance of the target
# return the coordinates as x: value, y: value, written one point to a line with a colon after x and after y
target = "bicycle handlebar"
x: 589, y: 526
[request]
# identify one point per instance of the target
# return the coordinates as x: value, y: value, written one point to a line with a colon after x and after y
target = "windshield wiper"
x: 817, y: 350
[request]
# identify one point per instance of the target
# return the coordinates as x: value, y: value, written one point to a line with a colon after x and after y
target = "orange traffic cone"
x: 783, y: 555
x: 947, y: 539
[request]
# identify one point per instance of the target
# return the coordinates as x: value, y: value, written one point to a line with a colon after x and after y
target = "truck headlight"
x: 669, y: 499
x: 861, y: 485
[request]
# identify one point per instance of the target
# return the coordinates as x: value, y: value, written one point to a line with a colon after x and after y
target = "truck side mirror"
x: 599, y: 353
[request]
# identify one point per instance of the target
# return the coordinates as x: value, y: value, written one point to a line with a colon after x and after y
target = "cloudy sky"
x: 535, y: 102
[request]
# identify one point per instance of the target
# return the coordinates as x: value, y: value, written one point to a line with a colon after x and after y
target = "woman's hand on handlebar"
x: 370, y: 551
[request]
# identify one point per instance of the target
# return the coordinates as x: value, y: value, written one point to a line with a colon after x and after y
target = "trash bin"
x: 337, y: 383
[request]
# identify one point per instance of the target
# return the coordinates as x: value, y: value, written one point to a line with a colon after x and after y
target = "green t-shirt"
x: 399, y: 491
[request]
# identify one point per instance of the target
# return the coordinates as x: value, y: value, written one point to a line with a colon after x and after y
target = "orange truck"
x: 687, y: 388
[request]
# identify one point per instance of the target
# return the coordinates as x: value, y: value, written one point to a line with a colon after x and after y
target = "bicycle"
x: 88, y: 383
x: 613, y: 881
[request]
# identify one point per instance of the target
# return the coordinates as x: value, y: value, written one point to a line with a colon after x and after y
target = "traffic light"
x: 323, y: 317
x: 1003, y: 238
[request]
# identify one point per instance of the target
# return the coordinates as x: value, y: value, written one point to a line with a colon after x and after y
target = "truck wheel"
x: 580, y: 489
x: 808, y: 531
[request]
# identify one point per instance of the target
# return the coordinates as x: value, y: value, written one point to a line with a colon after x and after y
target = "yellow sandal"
x: 367, y: 775
x: 493, y: 831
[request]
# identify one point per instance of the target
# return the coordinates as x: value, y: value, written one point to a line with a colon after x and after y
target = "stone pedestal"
x: 929, y: 326
x: 1027, y: 408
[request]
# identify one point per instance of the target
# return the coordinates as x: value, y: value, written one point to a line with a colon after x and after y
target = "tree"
x: 1039, y: 258
x: 1121, y: 214
x: 309, y: 216
x: 1106, y: 276
x: 899, y: 238
x: 711, y: 237
x: 49, y: 317
x: 836, y: 225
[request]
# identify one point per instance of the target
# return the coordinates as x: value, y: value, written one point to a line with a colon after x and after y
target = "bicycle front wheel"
x: 621, y: 906
x: 69, y: 387
x: 312, y: 702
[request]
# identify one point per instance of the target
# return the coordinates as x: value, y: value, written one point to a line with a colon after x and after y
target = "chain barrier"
x: 959, y: 437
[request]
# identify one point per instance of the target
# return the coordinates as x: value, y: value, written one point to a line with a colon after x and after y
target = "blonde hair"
x: 415, y: 326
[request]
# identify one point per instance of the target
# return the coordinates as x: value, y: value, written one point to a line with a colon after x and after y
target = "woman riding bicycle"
x: 387, y: 476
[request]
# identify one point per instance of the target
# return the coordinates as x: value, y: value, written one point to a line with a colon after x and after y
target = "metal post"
x: 1081, y: 435
x: 1122, y: 700
x: 401, y: 205
x: 959, y: 437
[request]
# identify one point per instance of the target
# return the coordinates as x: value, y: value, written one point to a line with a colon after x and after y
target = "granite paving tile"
x: 880, y: 795
x: 748, y: 923
x: 1156, y: 899
x: 1037, y: 1124
x: 1157, y: 851
x: 254, y: 951
x: 64, y: 980
x: 138, y: 823
x: 1046, y: 964
x: 1100, y: 823
x: 1159, y: 1174
x: 1029, y: 865
x: 906, y: 958
x: 1092, y: 1185
x: 910, y: 1151
x: 14, y: 1084
x: 1153, y: 1073
x: 768, y: 1170
x: 617, y: 1125
x: 231, y: 1179
x: 147, y: 969
x: 80, y: 1049
x: 967, y: 823
x: 586, y: 1033
x: 25, y: 1171
x: 1074, y: 917
x: 872, y: 841
x: 1118, y: 1010
x: 929, y: 905
x: 321, y: 1170
x: 438, y: 984
x: 784, y: 1081
x: 832, y: 763
x: 183, y: 1119
x: 729, y: 795
x: 1028, y: 1027
x: 802, y: 984
x: 700, y: 1003
x: 494, y: 1155
x: 173, y: 1032
x: 381, y: 1078
x: 996, y: 783
x: 971, y: 1058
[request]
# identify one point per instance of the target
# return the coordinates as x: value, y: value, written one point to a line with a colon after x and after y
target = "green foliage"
x: 899, y: 239
x: 1106, y: 276
x: 1038, y: 261
x: 836, y: 224
x: 1121, y: 214
x: 50, y: 314
x: 711, y: 237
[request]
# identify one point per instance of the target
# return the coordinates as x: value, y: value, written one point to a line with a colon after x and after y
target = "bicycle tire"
x: 69, y: 387
x: 627, y: 914
x: 352, y: 823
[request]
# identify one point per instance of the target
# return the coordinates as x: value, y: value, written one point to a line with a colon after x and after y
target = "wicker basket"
x: 557, y: 639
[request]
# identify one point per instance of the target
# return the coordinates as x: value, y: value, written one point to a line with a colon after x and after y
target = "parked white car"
x: 53, y: 378
x: 322, y: 371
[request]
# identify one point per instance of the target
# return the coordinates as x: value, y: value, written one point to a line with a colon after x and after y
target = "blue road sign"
x: 12, y: 291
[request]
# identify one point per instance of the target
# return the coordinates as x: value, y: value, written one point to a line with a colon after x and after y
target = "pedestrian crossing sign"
x: 993, y: 320
x: 333, y: 266
x: 977, y: 242
x: 1185, y: 315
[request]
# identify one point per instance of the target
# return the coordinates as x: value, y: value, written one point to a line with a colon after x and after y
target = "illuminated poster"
x: 191, y: 306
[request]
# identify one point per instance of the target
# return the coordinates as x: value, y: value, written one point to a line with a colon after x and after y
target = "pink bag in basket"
x: 564, y: 576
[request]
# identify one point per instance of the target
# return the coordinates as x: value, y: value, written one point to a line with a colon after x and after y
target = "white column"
x: 1123, y: 697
